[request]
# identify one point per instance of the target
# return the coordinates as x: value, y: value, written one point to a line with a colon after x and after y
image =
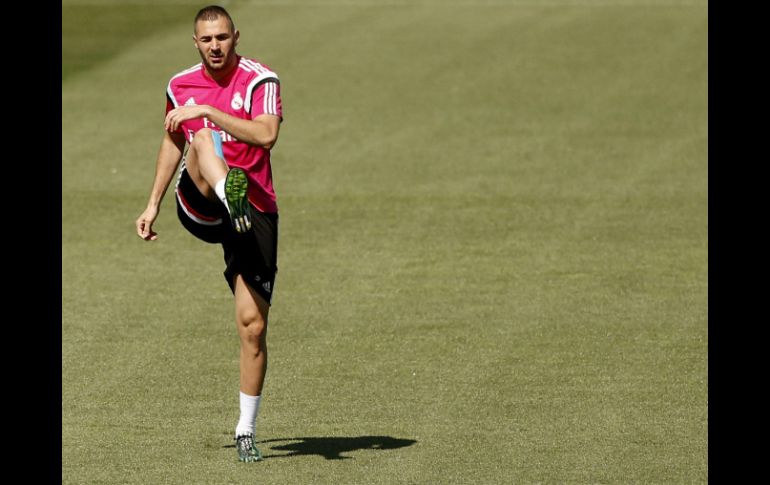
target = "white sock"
x: 249, y: 411
x: 219, y: 189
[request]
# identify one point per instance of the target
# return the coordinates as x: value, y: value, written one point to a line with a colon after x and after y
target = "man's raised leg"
x: 206, y: 165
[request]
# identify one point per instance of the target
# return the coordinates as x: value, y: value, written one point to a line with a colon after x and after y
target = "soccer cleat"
x: 236, y: 188
x: 247, y: 449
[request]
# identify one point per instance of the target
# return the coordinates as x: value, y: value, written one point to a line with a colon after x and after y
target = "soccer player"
x: 227, y: 109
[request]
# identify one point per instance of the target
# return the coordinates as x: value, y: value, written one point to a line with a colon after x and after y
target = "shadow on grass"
x: 331, y: 448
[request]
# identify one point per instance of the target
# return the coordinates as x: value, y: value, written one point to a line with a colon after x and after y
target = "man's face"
x: 216, y: 43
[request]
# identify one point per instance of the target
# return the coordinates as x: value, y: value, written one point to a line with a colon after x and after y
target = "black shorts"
x: 253, y: 255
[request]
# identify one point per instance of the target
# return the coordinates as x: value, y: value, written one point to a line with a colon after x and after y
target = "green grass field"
x: 493, y: 248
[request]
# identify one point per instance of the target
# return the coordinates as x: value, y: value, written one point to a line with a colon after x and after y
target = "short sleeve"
x: 266, y: 99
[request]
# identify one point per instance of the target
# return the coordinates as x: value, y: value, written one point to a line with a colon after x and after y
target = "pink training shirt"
x: 251, y: 90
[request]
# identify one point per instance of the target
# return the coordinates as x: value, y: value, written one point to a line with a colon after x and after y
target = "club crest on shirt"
x: 237, y: 101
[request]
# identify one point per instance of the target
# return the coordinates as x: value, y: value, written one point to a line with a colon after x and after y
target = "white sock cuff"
x: 249, y: 399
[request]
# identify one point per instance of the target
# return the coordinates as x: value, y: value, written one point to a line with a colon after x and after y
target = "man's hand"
x: 144, y: 224
x: 183, y: 113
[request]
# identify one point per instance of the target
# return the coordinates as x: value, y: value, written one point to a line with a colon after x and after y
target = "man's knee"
x: 252, y: 324
x: 203, y: 137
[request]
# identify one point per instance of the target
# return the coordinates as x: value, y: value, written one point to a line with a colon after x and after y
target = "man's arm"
x: 261, y: 131
x: 169, y: 155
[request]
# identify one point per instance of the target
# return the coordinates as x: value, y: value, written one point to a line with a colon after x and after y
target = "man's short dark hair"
x: 213, y: 12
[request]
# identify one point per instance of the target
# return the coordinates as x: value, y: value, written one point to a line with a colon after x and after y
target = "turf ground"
x: 493, y: 249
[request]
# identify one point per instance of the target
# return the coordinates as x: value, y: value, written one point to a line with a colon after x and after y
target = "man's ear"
x: 236, y: 36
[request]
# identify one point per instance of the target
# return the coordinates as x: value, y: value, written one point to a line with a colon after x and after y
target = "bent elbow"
x: 265, y: 132
x: 268, y: 144
x: 270, y: 140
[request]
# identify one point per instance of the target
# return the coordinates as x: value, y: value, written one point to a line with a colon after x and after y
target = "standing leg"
x: 251, y: 317
x: 251, y: 312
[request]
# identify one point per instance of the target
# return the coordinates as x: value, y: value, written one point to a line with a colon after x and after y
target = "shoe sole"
x: 236, y: 188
